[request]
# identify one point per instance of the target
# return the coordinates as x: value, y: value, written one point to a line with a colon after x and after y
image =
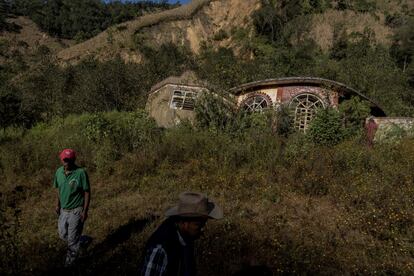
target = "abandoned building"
x: 172, y: 100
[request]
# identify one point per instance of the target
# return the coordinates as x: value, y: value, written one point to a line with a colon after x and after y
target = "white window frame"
x: 304, y: 107
x: 183, y: 100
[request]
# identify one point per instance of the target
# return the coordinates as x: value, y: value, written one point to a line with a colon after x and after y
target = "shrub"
x: 220, y: 35
x: 214, y: 112
x: 282, y: 121
x: 353, y: 113
x: 96, y: 128
x: 326, y: 128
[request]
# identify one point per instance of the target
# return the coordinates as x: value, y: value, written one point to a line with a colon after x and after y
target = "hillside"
x: 120, y: 36
x: 323, y: 26
x: 214, y: 22
x: 32, y: 36
x: 26, y: 39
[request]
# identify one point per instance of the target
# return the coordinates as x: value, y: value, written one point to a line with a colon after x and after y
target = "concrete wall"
x: 158, y: 105
x: 393, y: 128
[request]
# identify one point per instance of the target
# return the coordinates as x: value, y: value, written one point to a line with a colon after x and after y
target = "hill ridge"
x: 129, y: 28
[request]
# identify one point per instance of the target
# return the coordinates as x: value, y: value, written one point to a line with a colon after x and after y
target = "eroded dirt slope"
x: 186, y: 25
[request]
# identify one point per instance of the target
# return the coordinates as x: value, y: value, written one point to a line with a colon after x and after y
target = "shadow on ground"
x: 100, y: 259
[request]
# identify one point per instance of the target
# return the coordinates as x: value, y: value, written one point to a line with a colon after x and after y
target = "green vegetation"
x: 343, y: 208
x: 44, y: 89
x: 319, y: 203
x: 82, y: 19
x: 326, y: 128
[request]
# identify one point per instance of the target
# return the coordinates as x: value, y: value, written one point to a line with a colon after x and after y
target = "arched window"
x: 304, y: 107
x: 256, y: 103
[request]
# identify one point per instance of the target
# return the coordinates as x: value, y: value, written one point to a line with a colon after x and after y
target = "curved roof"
x: 375, y: 108
x: 188, y: 78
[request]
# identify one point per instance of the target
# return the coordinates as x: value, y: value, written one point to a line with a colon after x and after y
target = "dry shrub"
x: 324, y: 25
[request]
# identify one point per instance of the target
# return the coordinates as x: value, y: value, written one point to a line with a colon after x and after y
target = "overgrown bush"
x: 326, y: 128
x: 100, y: 138
x: 353, y: 113
x: 214, y: 112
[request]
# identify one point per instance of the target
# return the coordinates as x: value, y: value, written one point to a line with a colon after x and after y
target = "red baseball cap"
x: 68, y: 154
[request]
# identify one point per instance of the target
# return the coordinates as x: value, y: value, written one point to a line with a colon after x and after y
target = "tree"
x: 267, y: 22
x: 403, y: 47
x: 3, y: 14
x: 353, y: 112
x: 9, y: 110
x: 220, y: 67
x: 326, y: 128
x: 214, y: 112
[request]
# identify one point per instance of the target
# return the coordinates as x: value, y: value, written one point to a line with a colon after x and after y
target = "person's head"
x: 192, y: 212
x: 68, y: 158
x: 191, y: 227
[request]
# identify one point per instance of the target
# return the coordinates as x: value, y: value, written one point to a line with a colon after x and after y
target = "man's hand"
x: 57, y: 210
x: 84, y: 216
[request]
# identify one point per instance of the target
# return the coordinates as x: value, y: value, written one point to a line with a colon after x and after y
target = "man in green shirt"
x: 72, y: 205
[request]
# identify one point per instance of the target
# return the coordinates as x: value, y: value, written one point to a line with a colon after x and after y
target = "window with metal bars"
x: 183, y: 100
x: 304, y: 107
x: 256, y: 103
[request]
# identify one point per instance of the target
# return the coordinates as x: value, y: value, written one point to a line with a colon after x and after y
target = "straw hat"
x: 192, y: 204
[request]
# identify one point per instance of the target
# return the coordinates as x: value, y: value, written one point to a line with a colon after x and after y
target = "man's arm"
x: 56, y: 185
x: 57, y: 208
x: 86, y: 195
x: 86, y: 199
x: 155, y: 263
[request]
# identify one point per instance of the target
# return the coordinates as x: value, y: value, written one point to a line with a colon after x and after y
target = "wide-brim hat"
x: 192, y: 204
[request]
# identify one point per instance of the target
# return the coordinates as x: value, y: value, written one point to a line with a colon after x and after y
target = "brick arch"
x: 304, y: 107
x: 256, y: 102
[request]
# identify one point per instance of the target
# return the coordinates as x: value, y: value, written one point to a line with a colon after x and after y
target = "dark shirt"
x: 167, y: 253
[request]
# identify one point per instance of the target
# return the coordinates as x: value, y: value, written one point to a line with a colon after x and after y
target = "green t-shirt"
x: 71, y: 187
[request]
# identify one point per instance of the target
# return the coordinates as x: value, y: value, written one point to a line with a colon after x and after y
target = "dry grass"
x: 324, y: 25
x: 306, y: 210
x: 32, y: 36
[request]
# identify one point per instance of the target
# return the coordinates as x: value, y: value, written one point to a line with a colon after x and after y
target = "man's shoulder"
x: 59, y: 170
x: 156, y: 251
x: 80, y: 170
x: 157, y: 248
x: 165, y: 235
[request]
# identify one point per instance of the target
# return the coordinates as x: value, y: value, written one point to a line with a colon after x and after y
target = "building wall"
x: 286, y: 94
x: 159, y: 101
x: 271, y: 92
x: 393, y: 128
x: 159, y: 105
